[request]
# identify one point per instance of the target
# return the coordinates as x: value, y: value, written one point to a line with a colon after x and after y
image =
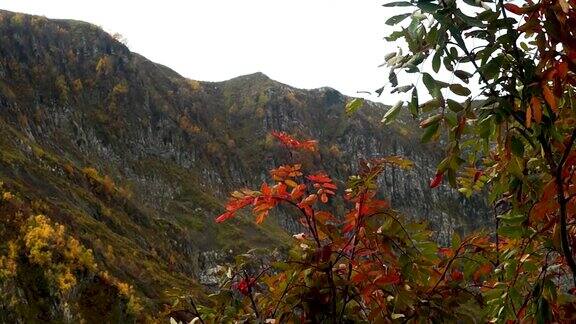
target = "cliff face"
x: 136, y: 160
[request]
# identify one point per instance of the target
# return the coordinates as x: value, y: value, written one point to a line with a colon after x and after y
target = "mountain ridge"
x: 136, y: 161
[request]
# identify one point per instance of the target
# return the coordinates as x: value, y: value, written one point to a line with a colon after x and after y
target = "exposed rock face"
x: 72, y: 97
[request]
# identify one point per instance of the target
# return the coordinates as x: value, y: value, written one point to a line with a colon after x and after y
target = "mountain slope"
x: 135, y: 160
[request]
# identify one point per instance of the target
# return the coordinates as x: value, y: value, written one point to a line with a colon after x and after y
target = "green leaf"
x: 436, y: 61
x: 429, y: 82
x: 456, y: 240
x: 396, y: 19
x: 511, y: 231
x: 392, y: 113
x: 430, y: 132
x: 471, y: 21
x: 430, y: 120
x: 428, y: 7
x: 393, y: 78
x: 463, y: 75
x: 517, y: 146
x: 454, y: 105
x: 394, y: 36
x: 413, y: 105
x: 430, y: 105
x: 513, y: 219
x: 397, y: 4
x: 354, y: 105
x: 492, y: 69
x: 460, y: 89
x: 402, y: 89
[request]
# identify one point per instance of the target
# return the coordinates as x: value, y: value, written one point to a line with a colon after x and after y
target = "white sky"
x: 303, y: 43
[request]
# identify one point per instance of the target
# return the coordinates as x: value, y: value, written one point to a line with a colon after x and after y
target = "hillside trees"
x: 500, y: 79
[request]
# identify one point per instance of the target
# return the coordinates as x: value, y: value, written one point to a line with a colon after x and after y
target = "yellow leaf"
x: 261, y: 217
x: 290, y: 183
x: 564, y: 5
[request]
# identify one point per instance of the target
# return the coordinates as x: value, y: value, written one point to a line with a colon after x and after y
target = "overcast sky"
x: 304, y: 43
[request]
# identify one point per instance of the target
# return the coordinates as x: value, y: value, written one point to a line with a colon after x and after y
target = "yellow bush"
x: 104, y: 65
x: 66, y: 281
x: 91, y: 173
x: 120, y: 88
x: 47, y: 245
x: 194, y: 85
x: 7, y: 196
x: 8, y: 262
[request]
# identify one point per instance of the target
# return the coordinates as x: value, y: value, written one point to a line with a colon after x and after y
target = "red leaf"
x: 244, y: 286
x: 391, y: 278
x: 292, y: 143
x: 446, y: 252
x: 513, y: 8
x: 456, y: 275
x: 224, y: 217
x: 477, y: 175
x: 437, y: 180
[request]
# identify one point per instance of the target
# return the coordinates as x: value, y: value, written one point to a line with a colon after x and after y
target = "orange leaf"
x: 528, y: 117
x: 536, y: 109
x: 550, y: 98
x: 261, y: 217
x: 297, y: 192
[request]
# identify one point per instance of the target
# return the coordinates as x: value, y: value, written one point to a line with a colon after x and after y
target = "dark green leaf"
x: 436, y: 61
x: 396, y: 19
x: 397, y: 4
x: 492, y: 69
x: 460, y: 90
x: 430, y: 83
x: 428, y: 7
x: 454, y: 105
x: 463, y: 75
x: 517, y: 147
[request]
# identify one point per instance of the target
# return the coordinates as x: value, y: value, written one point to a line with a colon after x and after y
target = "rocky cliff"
x: 135, y: 160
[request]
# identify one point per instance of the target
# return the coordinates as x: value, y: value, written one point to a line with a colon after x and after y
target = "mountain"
x: 113, y: 168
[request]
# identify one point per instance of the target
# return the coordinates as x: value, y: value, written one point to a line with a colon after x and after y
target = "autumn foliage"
x: 363, y: 265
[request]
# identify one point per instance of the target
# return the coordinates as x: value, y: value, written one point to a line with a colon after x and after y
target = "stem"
x: 354, y: 241
x: 253, y: 303
x: 196, y: 311
x: 560, y: 197
x: 247, y: 277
